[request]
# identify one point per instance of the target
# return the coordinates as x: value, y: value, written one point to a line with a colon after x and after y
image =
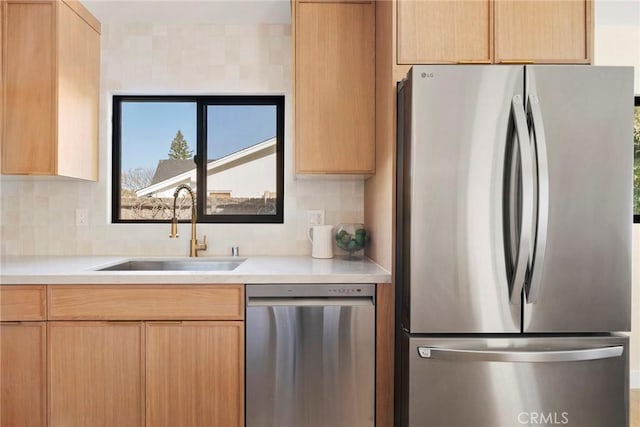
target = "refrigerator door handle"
x: 526, y: 159
x: 467, y: 355
x: 539, y: 143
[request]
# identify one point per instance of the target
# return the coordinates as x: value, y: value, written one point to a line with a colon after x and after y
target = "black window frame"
x: 201, y: 101
x: 636, y: 217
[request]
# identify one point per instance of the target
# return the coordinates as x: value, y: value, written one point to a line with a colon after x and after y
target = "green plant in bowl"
x: 351, y: 237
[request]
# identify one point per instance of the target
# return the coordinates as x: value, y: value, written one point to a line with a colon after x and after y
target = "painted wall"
x: 38, y: 215
x: 617, y: 42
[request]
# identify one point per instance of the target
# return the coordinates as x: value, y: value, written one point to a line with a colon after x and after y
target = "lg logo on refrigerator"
x: 427, y: 75
x: 541, y: 418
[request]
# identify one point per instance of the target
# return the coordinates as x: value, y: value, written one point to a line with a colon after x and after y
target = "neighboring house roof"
x: 239, y: 157
x: 171, y: 167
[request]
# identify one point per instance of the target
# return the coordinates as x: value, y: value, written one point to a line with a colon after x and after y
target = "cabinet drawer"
x: 146, y: 302
x: 20, y: 303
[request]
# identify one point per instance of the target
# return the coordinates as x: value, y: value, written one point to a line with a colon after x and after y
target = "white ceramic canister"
x: 321, y: 238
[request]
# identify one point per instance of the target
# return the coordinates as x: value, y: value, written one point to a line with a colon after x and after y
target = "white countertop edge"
x: 39, y: 270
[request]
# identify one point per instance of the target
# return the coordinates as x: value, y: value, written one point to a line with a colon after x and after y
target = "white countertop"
x: 45, y: 270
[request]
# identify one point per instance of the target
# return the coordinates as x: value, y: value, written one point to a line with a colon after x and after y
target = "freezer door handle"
x: 467, y: 355
x: 526, y: 160
x: 539, y: 142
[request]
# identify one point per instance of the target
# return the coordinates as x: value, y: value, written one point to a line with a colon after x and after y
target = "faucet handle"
x: 203, y: 246
x: 174, y: 228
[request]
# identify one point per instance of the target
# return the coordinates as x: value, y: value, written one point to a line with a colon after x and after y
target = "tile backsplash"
x: 38, y: 214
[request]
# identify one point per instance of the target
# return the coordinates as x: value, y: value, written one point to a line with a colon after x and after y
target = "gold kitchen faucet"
x: 194, y: 246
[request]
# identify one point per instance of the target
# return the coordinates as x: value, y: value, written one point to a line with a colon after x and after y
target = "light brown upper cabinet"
x: 444, y: 31
x: 51, y: 73
x: 555, y: 31
x: 494, y: 31
x: 334, y: 87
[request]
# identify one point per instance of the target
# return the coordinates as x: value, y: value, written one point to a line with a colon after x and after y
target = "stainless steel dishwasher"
x: 310, y: 355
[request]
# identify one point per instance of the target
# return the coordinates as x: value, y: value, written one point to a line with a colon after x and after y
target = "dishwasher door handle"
x: 308, y: 302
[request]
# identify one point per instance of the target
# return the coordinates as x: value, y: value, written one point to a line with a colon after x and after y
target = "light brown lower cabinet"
x: 22, y: 374
x: 132, y: 374
x: 96, y: 374
x: 145, y: 355
x: 195, y: 374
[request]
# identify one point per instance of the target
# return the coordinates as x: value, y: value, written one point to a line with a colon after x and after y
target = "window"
x: 636, y: 161
x: 228, y: 149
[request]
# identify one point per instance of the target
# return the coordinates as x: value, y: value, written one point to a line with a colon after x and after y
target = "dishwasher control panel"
x: 311, y: 290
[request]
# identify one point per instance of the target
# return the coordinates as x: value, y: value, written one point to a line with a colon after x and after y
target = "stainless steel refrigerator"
x: 513, y: 263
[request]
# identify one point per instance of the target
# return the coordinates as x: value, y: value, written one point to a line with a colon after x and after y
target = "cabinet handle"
x: 113, y: 322
x: 475, y: 61
x: 516, y: 61
x: 164, y: 322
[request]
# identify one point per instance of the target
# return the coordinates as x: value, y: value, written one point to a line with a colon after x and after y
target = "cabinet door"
x: 95, y: 374
x: 78, y: 93
x: 334, y: 87
x: 29, y: 88
x: 50, y: 88
x: 544, y: 31
x: 444, y: 31
x: 22, y: 374
x: 195, y: 374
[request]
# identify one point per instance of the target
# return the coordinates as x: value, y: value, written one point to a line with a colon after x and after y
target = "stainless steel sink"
x: 176, y: 265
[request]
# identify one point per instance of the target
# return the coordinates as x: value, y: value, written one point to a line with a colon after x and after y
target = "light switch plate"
x: 82, y: 217
x: 315, y: 217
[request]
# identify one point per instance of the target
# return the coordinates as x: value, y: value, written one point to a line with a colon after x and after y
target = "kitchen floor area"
x: 634, y: 401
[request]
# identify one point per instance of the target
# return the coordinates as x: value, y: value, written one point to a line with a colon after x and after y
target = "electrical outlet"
x: 82, y: 217
x: 315, y: 218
